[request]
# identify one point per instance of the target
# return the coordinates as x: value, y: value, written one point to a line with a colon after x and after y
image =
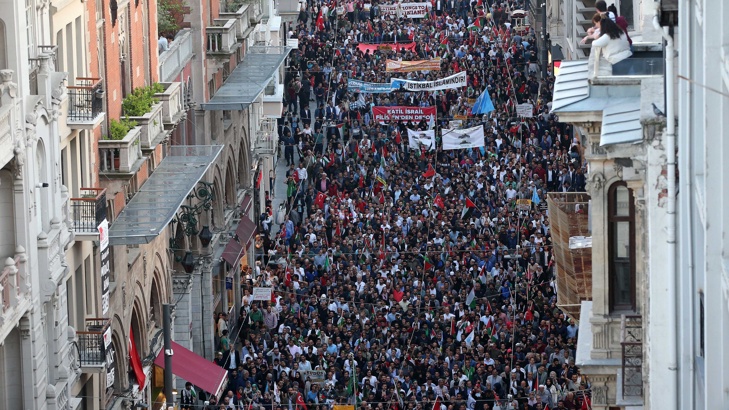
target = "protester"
x: 405, y: 278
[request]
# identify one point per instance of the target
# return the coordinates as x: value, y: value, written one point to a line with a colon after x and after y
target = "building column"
x: 183, y: 324
x: 207, y: 330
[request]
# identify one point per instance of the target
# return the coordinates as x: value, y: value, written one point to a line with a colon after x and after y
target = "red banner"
x: 386, y: 47
x: 414, y: 114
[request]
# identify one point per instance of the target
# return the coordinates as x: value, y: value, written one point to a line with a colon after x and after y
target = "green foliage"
x: 170, y: 14
x: 119, y: 129
x: 140, y: 101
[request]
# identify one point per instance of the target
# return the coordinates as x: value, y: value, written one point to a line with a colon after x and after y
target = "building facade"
x: 37, y: 361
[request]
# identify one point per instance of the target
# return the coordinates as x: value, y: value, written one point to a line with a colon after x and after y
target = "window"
x: 626, y: 10
x: 30, y: 26
x: 621, y: 247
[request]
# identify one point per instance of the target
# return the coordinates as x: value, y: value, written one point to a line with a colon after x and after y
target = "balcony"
x: 222, y: 38
x: 172, y: 61
x: 241, y: 14
x: 45, y: 55
x: 266, y: 138
x: 121, y: 156
x: 288, y: 9
x: 14, y: 292
x: 87, y: 212
x: 92, y: 345
x: 6, y: 117
x: 85, y: 103
x: 172, y: 104
x: 152, y: 130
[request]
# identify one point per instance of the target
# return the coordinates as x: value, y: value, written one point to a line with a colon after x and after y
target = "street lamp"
x: 188, y: 262
x: 205, y: 236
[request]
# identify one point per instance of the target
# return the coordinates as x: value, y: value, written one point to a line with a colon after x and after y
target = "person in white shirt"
x: 294, y: 349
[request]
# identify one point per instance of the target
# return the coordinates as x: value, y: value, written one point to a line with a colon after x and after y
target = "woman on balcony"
x: 610, y: 48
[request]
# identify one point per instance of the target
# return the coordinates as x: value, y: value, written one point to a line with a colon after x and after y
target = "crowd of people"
x: 405, y: 278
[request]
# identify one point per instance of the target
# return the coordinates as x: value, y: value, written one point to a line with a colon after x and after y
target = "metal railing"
x: 91, y: 345
x: 88, y: 211
x: 85, y: 100
x: 631, y: 328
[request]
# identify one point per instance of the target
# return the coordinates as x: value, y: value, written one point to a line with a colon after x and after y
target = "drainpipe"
x: 670, y: 144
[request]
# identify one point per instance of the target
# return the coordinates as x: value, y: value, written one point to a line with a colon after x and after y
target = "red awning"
x: 245, y: 204
x: 195, y: 369
x: 234, y: 249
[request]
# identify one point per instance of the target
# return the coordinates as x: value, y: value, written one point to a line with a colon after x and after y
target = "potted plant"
x: 118, y: 129
x: 141, y: 100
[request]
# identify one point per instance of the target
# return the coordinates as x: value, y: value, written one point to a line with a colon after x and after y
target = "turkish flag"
x: 320, y: 197
x: 300, y: 404
x: 320, y: 21
x: 438, y: 201
x: 429, y: 172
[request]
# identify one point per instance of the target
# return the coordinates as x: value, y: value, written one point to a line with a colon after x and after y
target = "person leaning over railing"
x: 611, y: 47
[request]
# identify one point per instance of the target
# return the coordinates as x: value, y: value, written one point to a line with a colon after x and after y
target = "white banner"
x: 105, y: 266
x: 404, y: 10
x: 416, y: 139
x: 525, y: 110
x: 448, y: 83
x: 262, y: 294
x: 316, y: 376
x: 462, y: 139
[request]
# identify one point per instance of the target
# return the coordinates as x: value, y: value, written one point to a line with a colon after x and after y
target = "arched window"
x: 621, y: 247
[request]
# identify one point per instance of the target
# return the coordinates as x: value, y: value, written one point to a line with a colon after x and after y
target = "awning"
x: 621, y: 123
x: 237, y: 245
x: 571, y: 84
x: 195, y: 369
x: 248, y: 79
x: 245, y: 204
x: 157, y: 201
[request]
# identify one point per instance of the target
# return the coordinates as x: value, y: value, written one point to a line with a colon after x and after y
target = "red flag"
x: 273, y: 297
x: 369, y: 27
x: 338, y: 231
x: 430, y: 172
x: 428, y: 265
x: 586, y: 403
x: 320, y: 22
x: 397, y: 295
x: 438, y: 201
x: 136, y: 361
x: 469, y: 203
x: 398, y: 138
x: 436, y: 405
x: 300, y: 404
x: 319, y: 201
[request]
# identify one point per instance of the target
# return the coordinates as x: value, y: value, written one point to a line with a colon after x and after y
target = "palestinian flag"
x: 468, y: 208
x: 471, y: 299
x: 427, y: 265
x: 476, y: 25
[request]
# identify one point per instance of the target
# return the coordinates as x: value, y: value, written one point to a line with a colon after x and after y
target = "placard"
x: 462, y: 139
x: 417, y: 139
x: 315, y: 376
x: 405, y: 10
x: 523, y: 204
x: 525, y: 110
x: 447, y: 83
x: 385, y: 47
x: 395, y: 66
x: 262, y: 294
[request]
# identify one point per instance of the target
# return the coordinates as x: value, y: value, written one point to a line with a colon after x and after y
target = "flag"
x: 300, y: 403
x: 427, y: 265
x: 136, y: 361
x: 320, y: 21
x: 535, y: 197
x: 453, y: 327
x: 369, y: 27
x: 438, y: 201
x: 273, y: 297
x: 470, y: 337
x: 431, y: 122
x: 468, y: 207
x: 436, y: 405
x: 483, y: 104
x: 586, y: 403
x: 476, y: 25
x: 397, y: 295
x: 430, y: 172
x: 471, y: 299
x: 319, y: 201
x: 352, y: 388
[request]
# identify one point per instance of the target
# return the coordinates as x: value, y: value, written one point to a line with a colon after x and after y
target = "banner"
x: 448, y: 83
x: 416, y: 139
x: 386, y: 47
x: 525, y: 110
x: 406, y: 10
x: 357, y: 86
x: 105, y: 270
x: 262, y: 294
x: 461, y: 139
x: 394, y: 66
x: 110, y: 364
x: 384, y: 115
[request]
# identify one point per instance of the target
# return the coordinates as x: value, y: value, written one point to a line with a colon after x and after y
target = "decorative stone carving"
x: 596, y: 182
x: 596, y: 149
x: 618, y: 170
x: 599, y: 395
x: 7, y: 85
x: 19, y: 161
x: 124, y: 293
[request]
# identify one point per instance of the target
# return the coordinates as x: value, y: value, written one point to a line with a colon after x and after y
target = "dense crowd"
x: 409, y: 279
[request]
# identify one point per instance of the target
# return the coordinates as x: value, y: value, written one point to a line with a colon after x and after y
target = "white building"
x: 37, y: 365
x: 654, y: 325
x: 702, y: 282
